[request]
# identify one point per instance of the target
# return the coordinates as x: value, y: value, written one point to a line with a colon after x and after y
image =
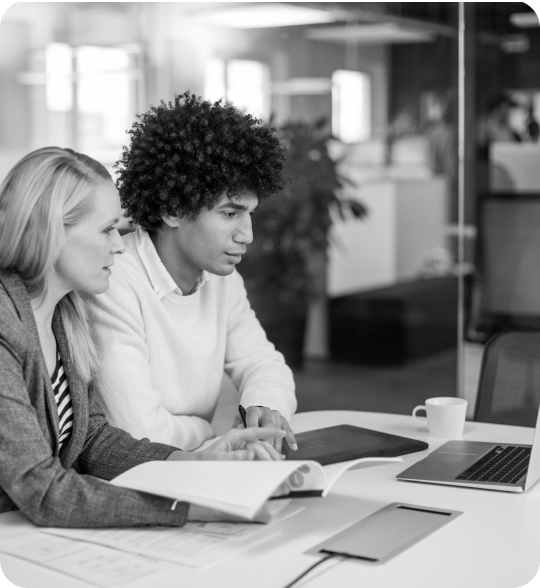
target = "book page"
x: 334, y: 471
x: 236, y: 487
x: 306, y: 481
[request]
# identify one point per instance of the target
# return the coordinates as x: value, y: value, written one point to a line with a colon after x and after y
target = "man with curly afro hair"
x: 176, y: 315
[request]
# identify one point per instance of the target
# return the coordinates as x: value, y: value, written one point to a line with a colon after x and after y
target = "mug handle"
x: 419, y: 419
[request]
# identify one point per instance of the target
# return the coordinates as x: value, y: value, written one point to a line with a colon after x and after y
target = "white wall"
x: 406, y: 222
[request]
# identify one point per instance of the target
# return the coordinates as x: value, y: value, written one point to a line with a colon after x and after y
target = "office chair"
x: 509, y: 386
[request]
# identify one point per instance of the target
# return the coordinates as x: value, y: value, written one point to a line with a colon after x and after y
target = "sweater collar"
x: 160, y: 279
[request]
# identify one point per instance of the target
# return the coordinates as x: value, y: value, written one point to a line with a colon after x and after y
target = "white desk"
x: 495, y: 543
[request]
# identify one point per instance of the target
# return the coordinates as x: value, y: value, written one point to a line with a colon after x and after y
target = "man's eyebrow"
x: 233, y: 205
x: 112, y: 222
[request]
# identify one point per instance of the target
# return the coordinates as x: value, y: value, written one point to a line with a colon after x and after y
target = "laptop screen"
x: 533, y: 471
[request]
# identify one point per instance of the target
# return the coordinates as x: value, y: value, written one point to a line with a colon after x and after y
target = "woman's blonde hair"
x: 45, y: 192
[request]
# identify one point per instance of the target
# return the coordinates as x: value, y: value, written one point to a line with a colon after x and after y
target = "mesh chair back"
x: 509, y: 386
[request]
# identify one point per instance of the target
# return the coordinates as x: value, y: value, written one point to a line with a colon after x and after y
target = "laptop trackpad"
x: 446, y: 462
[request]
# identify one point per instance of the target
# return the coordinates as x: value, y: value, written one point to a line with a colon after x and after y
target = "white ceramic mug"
x: 445, y: 416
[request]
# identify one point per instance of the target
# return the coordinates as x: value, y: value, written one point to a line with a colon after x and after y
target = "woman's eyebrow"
x: 112, y: 222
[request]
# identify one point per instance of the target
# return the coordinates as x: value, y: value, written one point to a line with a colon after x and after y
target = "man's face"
x: 216, y: 240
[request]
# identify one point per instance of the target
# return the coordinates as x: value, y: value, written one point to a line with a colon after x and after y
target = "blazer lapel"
x: 16, y: 290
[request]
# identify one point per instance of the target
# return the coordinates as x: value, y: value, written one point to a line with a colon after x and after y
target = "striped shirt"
x: 63, y: 401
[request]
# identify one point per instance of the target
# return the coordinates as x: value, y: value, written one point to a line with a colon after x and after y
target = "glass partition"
x: 500, y: 179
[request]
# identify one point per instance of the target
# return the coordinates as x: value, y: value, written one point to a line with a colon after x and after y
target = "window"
x: 245, y: 83
x: 59, y: 70
x: 104, y: 98
x: 96, y: 89
x: 214, y: 80
x: 351, y: 106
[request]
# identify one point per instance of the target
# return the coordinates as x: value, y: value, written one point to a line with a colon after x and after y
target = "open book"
x: 236, y: 487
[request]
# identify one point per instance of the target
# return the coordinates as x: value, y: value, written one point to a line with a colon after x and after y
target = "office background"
x: 402, y: 302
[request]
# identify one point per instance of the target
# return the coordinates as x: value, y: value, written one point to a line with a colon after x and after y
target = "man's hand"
x: 261, y: 416
x: 238, y: 444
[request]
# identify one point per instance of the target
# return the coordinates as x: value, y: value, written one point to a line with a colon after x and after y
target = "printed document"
x: 197, y: 544
x: 102, y: 566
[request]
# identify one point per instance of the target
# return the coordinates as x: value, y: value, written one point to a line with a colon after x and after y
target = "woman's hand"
x: 238, y: 444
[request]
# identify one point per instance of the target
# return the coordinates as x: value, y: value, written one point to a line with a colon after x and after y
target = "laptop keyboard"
x: 505, y: 465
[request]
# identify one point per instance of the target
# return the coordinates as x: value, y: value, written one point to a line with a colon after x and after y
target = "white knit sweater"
x: 162, y: 355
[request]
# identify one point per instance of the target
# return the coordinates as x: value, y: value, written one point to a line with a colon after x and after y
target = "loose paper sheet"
x: 102, y: 566
x: 116, y: 557
x: 195, y: 545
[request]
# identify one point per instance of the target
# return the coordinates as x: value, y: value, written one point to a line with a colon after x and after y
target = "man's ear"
x: 171, y: 221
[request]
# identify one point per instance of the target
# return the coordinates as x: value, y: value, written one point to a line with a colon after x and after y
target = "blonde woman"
x: 58, y: 216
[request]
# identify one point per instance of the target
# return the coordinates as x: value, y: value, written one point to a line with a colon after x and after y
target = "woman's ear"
x: 171, y: 221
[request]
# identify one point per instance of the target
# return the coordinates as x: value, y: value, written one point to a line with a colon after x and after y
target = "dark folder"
x: 345, y: 442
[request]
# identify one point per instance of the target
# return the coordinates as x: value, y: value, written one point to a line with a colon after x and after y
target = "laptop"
x: 476, y: 464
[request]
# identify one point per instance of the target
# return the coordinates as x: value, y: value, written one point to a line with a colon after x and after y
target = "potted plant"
x: 292, y: 232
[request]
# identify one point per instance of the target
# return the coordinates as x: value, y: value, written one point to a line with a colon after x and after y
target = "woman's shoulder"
x: 12, y: 293
x: 11, y: 280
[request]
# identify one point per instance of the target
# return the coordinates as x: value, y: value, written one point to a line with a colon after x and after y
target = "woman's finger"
x: 239, y: 455
x: 260, y: 452
x: 256, y: 433
x: 275, y: 455
x: 264, y: 451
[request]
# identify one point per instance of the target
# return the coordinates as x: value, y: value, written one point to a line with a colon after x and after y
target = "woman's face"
x: 91, y: 244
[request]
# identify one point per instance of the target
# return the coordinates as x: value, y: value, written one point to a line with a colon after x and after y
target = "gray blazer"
x: 63, y: 489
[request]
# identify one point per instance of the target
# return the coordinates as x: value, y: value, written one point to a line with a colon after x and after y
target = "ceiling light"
x: 524, y: 20
x: 383, y: 33
x: 262, y: 15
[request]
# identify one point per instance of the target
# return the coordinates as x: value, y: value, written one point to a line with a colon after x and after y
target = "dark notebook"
x: 345, y: 442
